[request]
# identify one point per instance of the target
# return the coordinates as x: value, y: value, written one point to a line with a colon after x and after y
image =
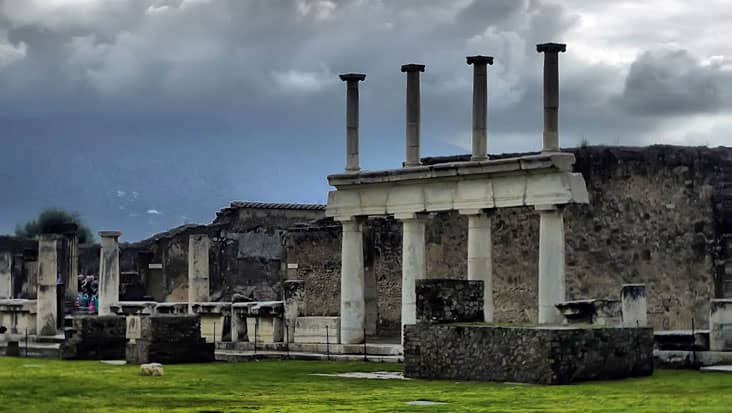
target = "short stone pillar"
x: 480, y: 106
x: 47, y: 306
x: 108, y: 271
x: 413, y: 264
x: 634, y: 306
x: 72, y: 275
x: 6, y: 275
x: 353, y: 299
x: 198, y: 269
x: 720, y: 325
x: 480, y: 256
x: 551, y: 94
x: 352, y: 145
x: 551, y: 264
x: 294, y: 298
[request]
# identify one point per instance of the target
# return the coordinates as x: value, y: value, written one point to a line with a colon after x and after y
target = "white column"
x: 633, y: 303
x: 198, y: 281
x: 46, y: 302
x: 413, y: 264
x: 551, y: 263
x: 480, y: 257
x: 6, y: 275
x: 353, y: 299
x: 108, y: 271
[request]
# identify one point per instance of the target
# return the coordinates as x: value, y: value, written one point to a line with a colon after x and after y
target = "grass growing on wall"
x: 35, y: 385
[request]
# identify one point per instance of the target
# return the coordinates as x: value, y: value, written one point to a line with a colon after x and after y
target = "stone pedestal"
x: 413, y: 265
x: 353, y: 302
x: 480, y: 258
x: 6, y: 275
x: 47, y: 306
x: 198, y: 269
x: 633, y: 299
x: 720, y: 325
x: 108, y: 271
x: 294, y: 298
x: 551, y: 264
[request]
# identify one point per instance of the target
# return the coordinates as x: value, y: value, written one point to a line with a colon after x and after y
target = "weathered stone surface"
x: 95, y: 338
x: 152, y: 369
x: 448, y: 301
x: 720, y: 325
x: 317, y: 330
x: 546, y: 355
x: 170, y: 339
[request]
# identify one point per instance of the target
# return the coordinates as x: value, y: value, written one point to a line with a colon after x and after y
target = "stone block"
x: 635, y: 311
x: 152, y: 369
x: 720, y: 325
x: 170, y: 338
x: 593, y: 311
x: 134, y: 327
x: 449, y: 301
x: 95, y: 338
x: 543, y: 355
x: 317, y: 330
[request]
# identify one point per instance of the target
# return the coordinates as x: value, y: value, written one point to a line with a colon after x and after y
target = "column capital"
x: 479, y: 60
x: 110, y: 234
x: 352, y: 77
x: 409, y: 216
x: 549, y: 207
x: 412, y: 68
x: 551, y: 47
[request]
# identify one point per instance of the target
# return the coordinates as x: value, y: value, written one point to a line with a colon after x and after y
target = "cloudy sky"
x: 143, y: 115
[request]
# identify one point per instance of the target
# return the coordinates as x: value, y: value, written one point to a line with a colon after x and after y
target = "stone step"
x: 321, y: 348
x: 35, y: 349
x: 239, y: 356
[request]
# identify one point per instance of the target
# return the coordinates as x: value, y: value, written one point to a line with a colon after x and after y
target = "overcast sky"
x: 143, y: 115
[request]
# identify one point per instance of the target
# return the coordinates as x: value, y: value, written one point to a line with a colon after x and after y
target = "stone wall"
x: 446, y: 301
x: 657, y: 215
x: 169, y: 339
x: 95, y: 338
x: 526, y: 354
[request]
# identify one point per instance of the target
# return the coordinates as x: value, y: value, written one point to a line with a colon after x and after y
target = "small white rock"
x: 152, y: 369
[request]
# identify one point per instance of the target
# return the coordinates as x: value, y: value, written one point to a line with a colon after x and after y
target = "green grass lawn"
x: 37, y: 385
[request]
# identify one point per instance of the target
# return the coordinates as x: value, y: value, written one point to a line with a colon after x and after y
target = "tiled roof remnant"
x: 267, y: 205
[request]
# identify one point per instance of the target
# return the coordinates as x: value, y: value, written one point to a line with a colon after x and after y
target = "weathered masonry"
x: 475, y: 188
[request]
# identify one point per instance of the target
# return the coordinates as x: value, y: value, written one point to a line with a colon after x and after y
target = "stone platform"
x: 526, y: 354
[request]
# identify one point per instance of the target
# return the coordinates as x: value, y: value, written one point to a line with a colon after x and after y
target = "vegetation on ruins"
x: 54, y: 221
x: 41, y: 385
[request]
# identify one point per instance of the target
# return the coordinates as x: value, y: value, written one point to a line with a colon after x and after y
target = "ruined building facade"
x: 660, y: 215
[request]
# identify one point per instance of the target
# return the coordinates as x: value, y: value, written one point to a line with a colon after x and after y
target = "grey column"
x: 6, y: 275
x: 198, y: 269
x: 551, y: 264
x: 480, y: 105
x: 72, y: 279
x: 413, y: 113
x: 413, y: 265
x: 108, y: 271
x: 46, y: 305
x: 352, y: 138
x: 551, y: 93
x: 353, y: 299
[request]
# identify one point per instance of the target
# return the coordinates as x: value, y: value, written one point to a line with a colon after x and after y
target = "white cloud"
x: 153, y: 212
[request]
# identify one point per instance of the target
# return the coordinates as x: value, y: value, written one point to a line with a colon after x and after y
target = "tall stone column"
x: 46, y: 300
x: 480, y: 105
x: 352, y: 150
x: 413, y: 264
x: 108, y: 271
x: 72, y: 276
x: 551, y: 93
x: 551, y: 263
x: 198, y: 269
x: 413, y: 113
x: 353, y: 299
x: 480, y: 256
x: 6, y: 275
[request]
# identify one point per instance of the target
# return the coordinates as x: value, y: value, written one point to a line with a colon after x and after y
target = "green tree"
x: 52, y: 221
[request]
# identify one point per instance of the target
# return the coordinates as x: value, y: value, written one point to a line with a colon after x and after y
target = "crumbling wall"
x: 657, y: 215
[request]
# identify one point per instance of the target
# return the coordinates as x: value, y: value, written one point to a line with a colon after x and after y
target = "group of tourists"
x: 88, y: 294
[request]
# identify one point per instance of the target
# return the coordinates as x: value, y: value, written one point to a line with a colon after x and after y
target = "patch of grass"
x: 33, y: 385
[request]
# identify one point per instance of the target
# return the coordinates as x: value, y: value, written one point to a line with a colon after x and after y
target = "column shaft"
x: 413, y: 266
x: 108, y: 271
x: 551, y: 265
x: 480, y: 258
x: 46, y: 305
x: 198, y: 269
x: 352, y: 139
x: 6, y: 275
x: 353, y: 300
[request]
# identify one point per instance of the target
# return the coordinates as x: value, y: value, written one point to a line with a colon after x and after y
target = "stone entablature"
x: 532, y: 180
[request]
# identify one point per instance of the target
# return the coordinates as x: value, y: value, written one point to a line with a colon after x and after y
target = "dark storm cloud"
x: 672, y: 82
x: 192, y: 103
